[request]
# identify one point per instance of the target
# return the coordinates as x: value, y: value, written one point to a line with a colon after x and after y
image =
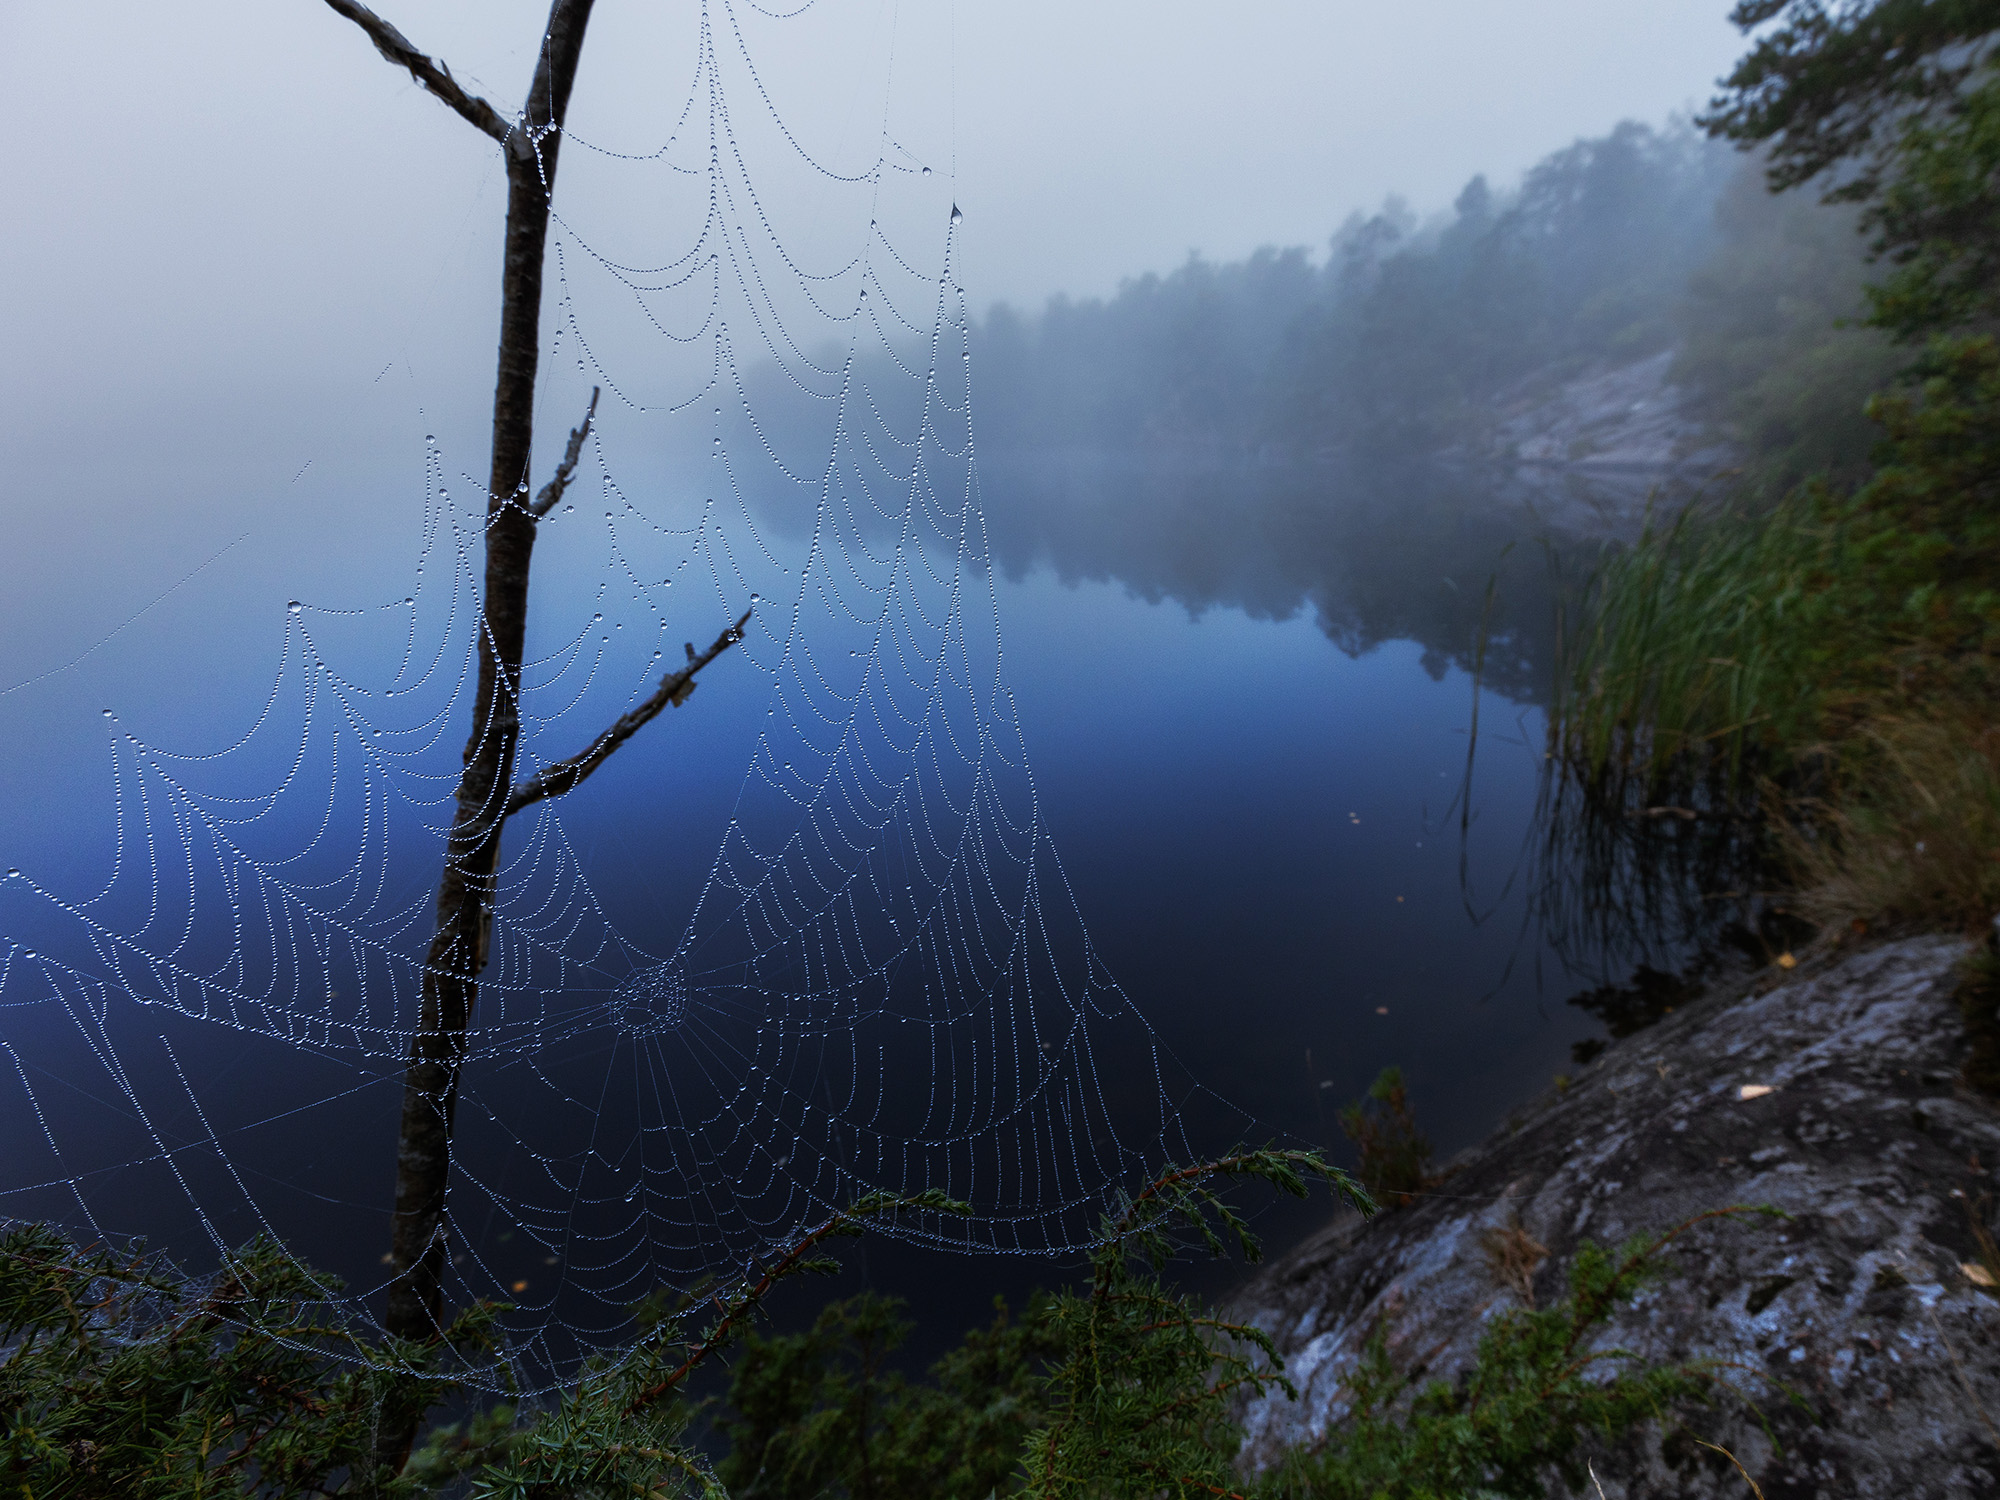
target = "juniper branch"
x: 792, y: 1261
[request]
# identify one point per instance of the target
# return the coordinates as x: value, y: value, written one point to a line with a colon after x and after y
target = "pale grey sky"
x: 1090, y: 140
x: 1109, y: 137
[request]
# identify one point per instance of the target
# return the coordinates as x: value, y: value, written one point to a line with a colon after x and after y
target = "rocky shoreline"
x: 1832, y: 1093
x: 1613, y: 419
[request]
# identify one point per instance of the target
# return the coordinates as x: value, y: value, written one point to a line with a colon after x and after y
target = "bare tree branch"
x: 553, y: 490
x: 674, y: 688
x: 433, y: 75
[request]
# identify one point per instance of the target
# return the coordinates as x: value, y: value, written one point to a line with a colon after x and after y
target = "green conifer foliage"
x: 1141, y: 1400
x: 819, y: 1412
x: 1938, y: 221
x: 121, y: 1379
x: 1831, y: 81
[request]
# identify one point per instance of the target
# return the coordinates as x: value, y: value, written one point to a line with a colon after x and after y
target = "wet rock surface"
x: 1832, y: 1093
x: 1599, y: 452
x: 1616, y: 418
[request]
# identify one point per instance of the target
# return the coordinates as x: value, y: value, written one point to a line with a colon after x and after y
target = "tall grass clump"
x: 1698, y: 647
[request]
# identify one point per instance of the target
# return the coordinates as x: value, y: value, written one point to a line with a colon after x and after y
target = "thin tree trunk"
x: 487, y: 789
x: 458, y: 950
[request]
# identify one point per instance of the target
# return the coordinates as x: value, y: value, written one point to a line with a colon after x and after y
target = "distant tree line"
x: 1405, y: 332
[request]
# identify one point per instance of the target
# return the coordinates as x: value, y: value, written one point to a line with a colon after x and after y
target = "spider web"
x: 882, y: 981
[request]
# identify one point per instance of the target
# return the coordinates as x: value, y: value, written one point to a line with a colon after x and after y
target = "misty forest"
x: 1360, y: 868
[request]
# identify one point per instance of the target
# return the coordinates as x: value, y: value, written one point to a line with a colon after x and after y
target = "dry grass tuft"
x: 1918, y: 840
x: 1513, y: 1254
x: 1754, y: 1489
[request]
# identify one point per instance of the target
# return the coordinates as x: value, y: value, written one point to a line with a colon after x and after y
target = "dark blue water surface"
x: 1248, y: 693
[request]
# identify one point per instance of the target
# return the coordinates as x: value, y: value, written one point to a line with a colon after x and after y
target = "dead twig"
x: 674, y: 688
x: 553, y: 490
x: 433, y: 75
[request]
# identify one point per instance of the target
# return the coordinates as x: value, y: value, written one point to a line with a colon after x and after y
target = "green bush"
x: 821, y: 1412
x: 1538, y: 1390
x: 1138, y: 1385
x: 119, y: 1379
x: 1141, y: 1399
x: 1395, y: 1155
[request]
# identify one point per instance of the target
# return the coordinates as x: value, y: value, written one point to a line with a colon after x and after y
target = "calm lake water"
x: 1248, y: 692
